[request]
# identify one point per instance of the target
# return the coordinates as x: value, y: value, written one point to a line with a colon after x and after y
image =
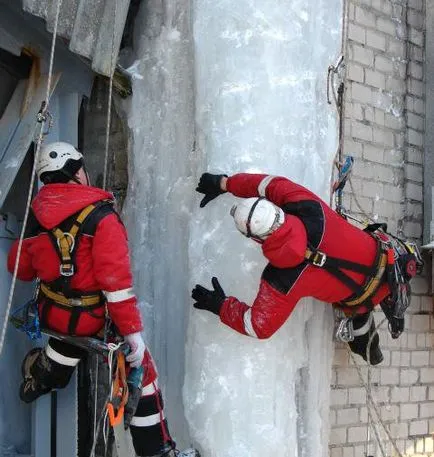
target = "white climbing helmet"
x: 257, y: 217
x: 53, y: 157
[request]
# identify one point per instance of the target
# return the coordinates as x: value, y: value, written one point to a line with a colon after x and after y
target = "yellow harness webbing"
x: 368, y: 289
x: 58, y: 297
x: 66, y: 241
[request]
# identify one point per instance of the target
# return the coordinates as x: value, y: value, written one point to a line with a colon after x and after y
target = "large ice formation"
x: 226, y: 86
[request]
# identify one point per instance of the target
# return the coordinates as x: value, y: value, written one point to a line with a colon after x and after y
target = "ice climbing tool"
x: 116, y: 408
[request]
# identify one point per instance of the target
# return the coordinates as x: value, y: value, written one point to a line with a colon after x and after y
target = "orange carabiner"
x: 120, y: 392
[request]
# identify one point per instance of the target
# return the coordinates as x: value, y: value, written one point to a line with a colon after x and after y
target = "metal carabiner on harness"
x: 66, y: 268
x: 345, y: 330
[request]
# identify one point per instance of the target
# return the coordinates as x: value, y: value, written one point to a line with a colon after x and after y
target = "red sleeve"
x: 26, y: 272
x: 267, y: 314
x: 112, y: 270
x: 277, y: 189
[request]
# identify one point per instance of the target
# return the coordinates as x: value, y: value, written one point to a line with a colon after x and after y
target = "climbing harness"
x: 362, y: 294
x: 397, y: 262
x: 65, y: 242
x: 27, y: 320
x: 404, y: 263
x: 59, y: 293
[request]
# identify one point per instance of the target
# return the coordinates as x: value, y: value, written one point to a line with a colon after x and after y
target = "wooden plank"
x: 19, y: 135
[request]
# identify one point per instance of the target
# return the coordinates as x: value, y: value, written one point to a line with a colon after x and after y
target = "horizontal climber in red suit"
x: 289, y: 222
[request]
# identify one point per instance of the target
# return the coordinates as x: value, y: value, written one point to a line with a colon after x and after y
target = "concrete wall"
x: 384, y: 130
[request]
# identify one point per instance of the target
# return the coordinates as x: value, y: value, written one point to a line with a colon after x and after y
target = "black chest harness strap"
x: 362, y: 293
x: 59, y: 293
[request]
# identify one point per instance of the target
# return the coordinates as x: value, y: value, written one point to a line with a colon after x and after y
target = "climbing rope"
x: 338, y: 98
x: 113, y: 348
x: 372, y: 405
x: 109, y: 102
x: 43, y: 117
x: 104, y: 186
x: 112, y: 351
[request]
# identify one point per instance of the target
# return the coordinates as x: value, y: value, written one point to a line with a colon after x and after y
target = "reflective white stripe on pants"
x: 59, y: 358
x: 150, y: 389
x: 147, y: 421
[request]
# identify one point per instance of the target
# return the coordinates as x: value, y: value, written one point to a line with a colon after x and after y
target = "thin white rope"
x: 374, y: 425
x: 104, y: 185
x: 42, y: 120
x: 371, y: 404
x: 370, y: 420
x: 109, y: 102
x: 95, y: 405
x: 112, y: 347
x: 371, y: 401
x: 340, y: 110
x: 356, y: 200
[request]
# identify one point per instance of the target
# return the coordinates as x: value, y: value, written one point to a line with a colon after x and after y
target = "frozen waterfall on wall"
x: 226, y: 86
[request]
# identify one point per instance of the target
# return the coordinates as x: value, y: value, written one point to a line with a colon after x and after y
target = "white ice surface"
x: 252, y: 99
x: 260, y: 106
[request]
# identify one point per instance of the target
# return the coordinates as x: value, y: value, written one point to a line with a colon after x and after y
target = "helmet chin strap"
x: 71, y: 177
x: 249, y: 218
x: 86, y: 174
x: 77, y: 180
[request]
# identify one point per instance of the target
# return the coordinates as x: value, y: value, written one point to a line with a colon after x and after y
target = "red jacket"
x: 288, y: 278
x: 102, y: 259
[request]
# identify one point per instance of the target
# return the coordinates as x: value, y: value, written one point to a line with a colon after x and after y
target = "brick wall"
x: 384, y: 131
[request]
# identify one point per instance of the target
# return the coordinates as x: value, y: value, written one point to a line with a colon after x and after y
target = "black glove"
x: 211, y: 300
x: 209, y: 185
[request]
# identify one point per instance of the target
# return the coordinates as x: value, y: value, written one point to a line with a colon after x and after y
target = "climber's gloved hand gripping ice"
x: 210, y: 185
x: 211, y: 300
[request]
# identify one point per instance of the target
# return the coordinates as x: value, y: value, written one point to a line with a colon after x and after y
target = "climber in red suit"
x: 288, y: 221
x: 76, y: 245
